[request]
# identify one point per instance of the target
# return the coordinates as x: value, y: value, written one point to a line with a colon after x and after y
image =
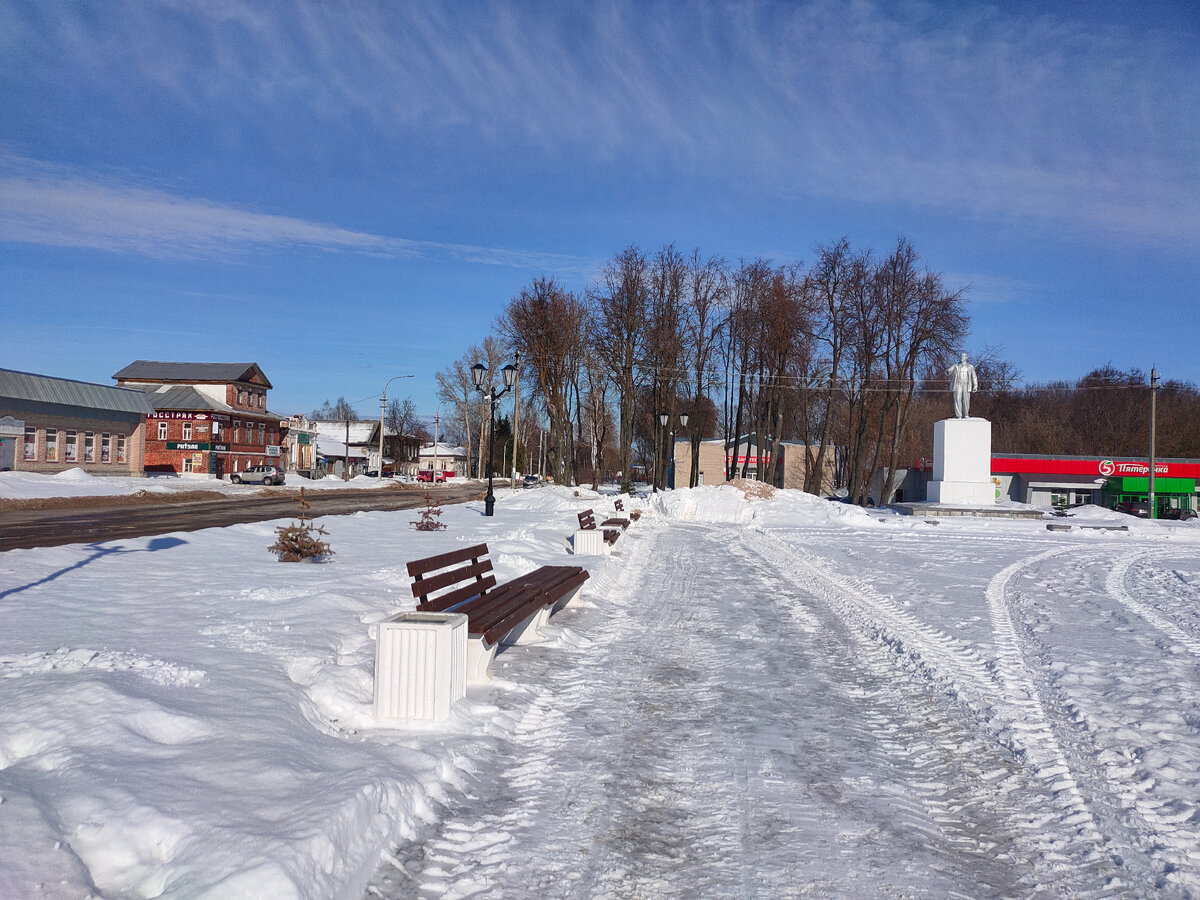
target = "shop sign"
x: 221, y: 448
x: 187, y: 445
x: 170, y: 414
x: 272, y: 449
x: 12, y: 427
x: 1109, y: 468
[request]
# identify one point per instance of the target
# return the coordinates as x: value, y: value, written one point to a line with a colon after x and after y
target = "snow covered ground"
x: 782, y: 697
x: 78, y: 483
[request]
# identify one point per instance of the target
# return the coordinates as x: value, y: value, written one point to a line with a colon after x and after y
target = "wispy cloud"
x: 55, y: 206
x: 1053, y: 118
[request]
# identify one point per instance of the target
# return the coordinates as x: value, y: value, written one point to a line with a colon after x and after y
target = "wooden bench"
x: 462, y: 581
x: 591, y: 540
x: 619, y: 505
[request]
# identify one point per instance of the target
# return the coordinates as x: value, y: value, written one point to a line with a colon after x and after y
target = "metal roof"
x: 182, y: 396
x: 65, y: 392
x: 145, y: 370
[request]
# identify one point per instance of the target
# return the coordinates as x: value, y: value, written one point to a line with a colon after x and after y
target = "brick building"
x: 208, y: 419
x: 752, y: 455
x: 52, y: 424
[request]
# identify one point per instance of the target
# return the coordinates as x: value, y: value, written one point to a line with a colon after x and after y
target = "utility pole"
x: 433, y: 471
x: 1153, y: 397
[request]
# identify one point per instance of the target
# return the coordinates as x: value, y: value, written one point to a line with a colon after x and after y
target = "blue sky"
x: 344, y: 192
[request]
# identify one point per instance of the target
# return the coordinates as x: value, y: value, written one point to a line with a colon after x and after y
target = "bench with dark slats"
x: 462, y: 581
x: 619, y: 505
x: 587, y: 522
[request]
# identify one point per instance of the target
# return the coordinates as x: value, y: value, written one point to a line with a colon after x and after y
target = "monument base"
x: 981, y: 492
x: 962, y: 462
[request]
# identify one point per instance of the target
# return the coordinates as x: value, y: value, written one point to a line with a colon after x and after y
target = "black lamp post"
x: 479, y: 373
x: 661, y: 461
x: 669, y: 467
x: 683, y: 420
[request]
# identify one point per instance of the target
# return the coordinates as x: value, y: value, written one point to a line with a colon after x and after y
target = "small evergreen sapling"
x: 299, y: 541
x: 430, y: 516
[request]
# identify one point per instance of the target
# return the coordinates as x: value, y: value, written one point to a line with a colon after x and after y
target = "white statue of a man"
x: 962, y: 384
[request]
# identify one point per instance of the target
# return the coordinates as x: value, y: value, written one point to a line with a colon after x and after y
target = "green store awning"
x: 1161, y: 485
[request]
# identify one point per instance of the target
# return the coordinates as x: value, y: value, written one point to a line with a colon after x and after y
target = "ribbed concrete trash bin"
x: 420, y: 666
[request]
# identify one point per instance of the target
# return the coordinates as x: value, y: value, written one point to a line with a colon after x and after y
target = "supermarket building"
x: 1070, y: 480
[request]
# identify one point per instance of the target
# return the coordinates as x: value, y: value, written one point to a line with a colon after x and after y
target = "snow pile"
x: 709, y: 504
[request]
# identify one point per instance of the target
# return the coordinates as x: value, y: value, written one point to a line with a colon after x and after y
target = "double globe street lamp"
x: 479, y: 373
x: 663, y: 418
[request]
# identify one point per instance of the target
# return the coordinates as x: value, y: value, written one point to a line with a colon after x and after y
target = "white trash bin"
x: 420, y: 666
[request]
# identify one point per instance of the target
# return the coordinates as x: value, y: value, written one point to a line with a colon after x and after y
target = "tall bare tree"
x: 708, y: 289
x: 546, y: 323
x: 618, y: 313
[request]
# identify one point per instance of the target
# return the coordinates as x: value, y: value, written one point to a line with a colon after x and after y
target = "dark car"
x: 1181, y: 515
x: 1141, y: 509
x: 531, y: 481
x: 258, y: 475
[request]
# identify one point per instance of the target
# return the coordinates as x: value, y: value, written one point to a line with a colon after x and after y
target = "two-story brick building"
x: 209, y: 419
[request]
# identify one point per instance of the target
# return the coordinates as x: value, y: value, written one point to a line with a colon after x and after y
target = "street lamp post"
x: 382, y: 410
x: 669, y: 467
x: 658, y: 455
x: 478, y: 373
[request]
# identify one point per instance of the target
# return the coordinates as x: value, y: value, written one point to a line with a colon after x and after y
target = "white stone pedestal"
x: 962, y: 462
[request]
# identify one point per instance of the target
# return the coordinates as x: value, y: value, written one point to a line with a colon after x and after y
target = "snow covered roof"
x: 360, y: 432
x: 444, y: 450
x: 65, y: 392
x: 332, y: 448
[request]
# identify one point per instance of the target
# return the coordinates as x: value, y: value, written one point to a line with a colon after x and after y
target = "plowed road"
x: 89, y: 522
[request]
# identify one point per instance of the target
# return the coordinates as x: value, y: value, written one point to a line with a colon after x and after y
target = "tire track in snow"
x: 1115, y: 584
x: 1003, y: 696
x: 1022, y: 711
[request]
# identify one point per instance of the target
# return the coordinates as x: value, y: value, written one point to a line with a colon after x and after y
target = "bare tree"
x: 545, y: 323
x: 618, y: 315
x: 708, y: 289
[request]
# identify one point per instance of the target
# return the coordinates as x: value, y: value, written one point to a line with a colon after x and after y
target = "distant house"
x: 299, y: 440
x: 50, y: 424
x: 208, y: 419
x: 401, y: 454
x: 446, y: 458
x: 341, y: 443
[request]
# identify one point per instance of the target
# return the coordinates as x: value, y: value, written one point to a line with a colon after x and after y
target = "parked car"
x: 531, y: 481
x: 258, y: 475
x: 427, y: 475
x: 1141, y: 509
x: 1180, y: 514
x: 374, y: 473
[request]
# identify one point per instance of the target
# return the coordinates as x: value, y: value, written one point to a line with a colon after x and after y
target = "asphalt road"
x: 86, y: 525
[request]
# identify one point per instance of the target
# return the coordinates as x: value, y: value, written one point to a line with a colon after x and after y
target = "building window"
x: 187, y: 465
x: 237, y: 431
x: 89, y: 446
x: 120, y: 448
x: 187, y: 431
x: 30, y: 442
x: 51, y: 445
x: 162, y: 431
x: 106, y: 448
x: 262, y: 434
x: 71, y: 449
x: 241, y: 398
